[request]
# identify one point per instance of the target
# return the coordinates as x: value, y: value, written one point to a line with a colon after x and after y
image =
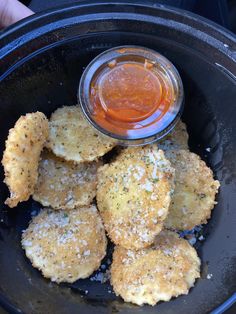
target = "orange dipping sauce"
x: 130, y: 97
x: 129, y: 92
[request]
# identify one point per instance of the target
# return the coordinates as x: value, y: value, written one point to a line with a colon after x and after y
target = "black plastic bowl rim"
x: 40, y: 24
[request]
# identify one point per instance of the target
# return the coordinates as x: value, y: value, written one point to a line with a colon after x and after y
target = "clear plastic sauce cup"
x: 132, y: 94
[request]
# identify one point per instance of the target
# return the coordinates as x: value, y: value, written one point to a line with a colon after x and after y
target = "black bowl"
x: 41, y: 61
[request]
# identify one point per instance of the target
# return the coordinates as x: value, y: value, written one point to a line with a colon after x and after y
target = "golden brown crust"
x: 165, y: 270
x: 73, y: 138
x: 195, y: 191
x: 21, y: 156
x: 66, y: 246
x: 176, y: 139
x: 133, y: 195
x: 63, y: 184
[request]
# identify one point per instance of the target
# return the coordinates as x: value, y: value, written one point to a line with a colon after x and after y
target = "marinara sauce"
x: 132, y: 94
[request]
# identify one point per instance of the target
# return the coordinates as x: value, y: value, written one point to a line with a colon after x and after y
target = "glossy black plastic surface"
x: 41, y: 61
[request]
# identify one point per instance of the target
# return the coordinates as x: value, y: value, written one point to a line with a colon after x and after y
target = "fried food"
x: 66, y: 113
x: 176, y: 139
x: 165, y: 270
x: 72, y: 138
x: 21, y: 156
x: 66, y: 246
x: 133, y: 195
x: 63, y: 184
x: 195, y: 191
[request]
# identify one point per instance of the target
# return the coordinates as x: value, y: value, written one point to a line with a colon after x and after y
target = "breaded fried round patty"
x: 21, y: 156
x: 63, y: 184
x: 195, y: 191
x: 176, y: 139
x: 73, y: 138
x: 133, y: 195
x: 65, y: 246
x: 166, y: 269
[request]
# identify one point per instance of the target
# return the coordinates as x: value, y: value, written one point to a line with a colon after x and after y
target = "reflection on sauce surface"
x: 130, y: 96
